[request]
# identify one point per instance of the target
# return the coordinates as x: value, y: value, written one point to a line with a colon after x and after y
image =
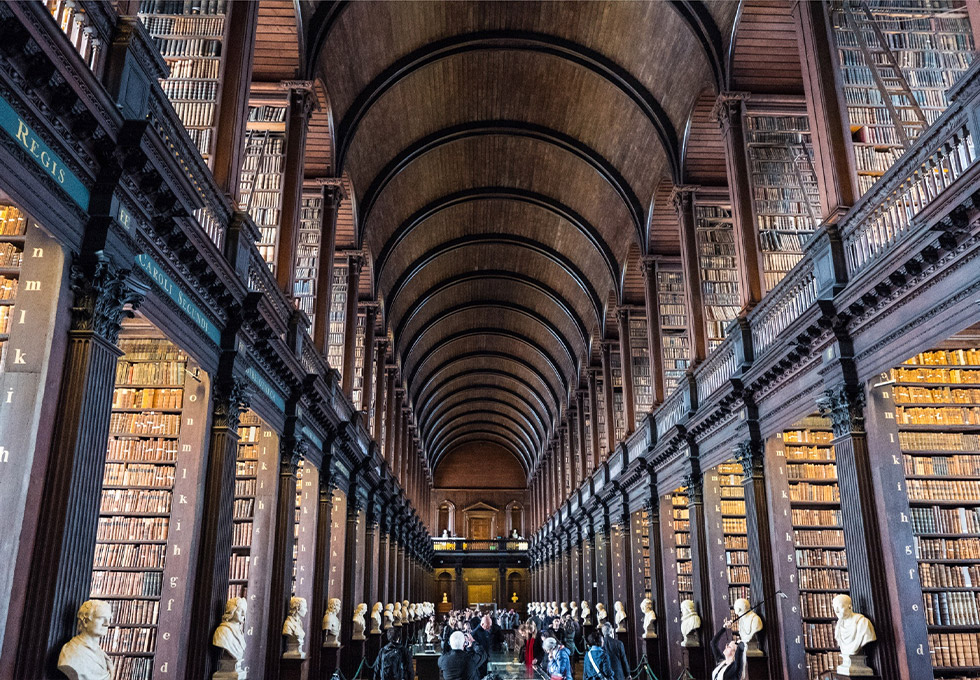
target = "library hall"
x: 489, y: 340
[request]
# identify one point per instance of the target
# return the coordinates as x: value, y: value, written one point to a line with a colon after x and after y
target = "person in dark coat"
x: 615, y: 651
x: 481, y: 637
x: 395, y: 659
x: 459, y: 663
x: 596, y: 664
x: 730, y: 659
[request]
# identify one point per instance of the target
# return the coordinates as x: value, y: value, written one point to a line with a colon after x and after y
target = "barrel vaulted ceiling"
x: 504, y: 158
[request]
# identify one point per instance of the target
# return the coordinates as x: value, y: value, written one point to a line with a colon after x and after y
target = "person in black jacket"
x: 394, y: 659
x: 481, y: 637
x: 459, y: 663
x: 730, y: 658
x: 596, y: 664
x: 615, y: 651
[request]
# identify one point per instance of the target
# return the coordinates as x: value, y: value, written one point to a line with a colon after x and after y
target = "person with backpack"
x: 459, y: 663
x: 615, y: 652
x: 596, y: 662
x: 394, y: 659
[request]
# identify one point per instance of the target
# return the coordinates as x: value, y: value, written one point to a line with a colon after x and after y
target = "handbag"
x: 598, y: 673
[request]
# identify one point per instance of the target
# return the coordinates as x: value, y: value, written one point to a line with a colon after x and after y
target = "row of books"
x: 239, y: 567
x: 735, y: 542
x: 818, y: 537
x: 910, y: 394
x: 141, y: 640
x: 138, y: 474
x: 819, y: 635
x: 798, y: 454
x: 194, y: 114
x: 811, y: 471
x: 817, y: 605
x: 245, y: 487
x: 939, y: 441
x: 820, y: 558
x: 946, y: 357
x: 135, y: 501
x: 129, y: 612
x: 733, y: 507
x: 160, y: 424
x: 823, y: 437
x: 947, y: 415
x: 150, y: 450
x: 942, y: 466
x: 109, y: 555
x: 934, y: 575
x: 806, y: 518
x: 244, y: 508
x: 123, y: 583
x: 149, y: 398
x: 197, y: 69
x: 8, y: 288
x: 738, y: 575
x: 824, y: 579
x: 945, y: 490
x: 242, y: 534
x: 10, y: 255
x: 820, y: 663
x: 132, y: 668
x: 947, y: 548
x: 936, y: 375
x: 805, y: 491
x: 185, y: 25
x: 133, y: 529
x: 143, y: 349
x: 937, y: 520
x: 13, y: 222
x: 954, y: 649
x: 145, y: 373
x: 782, y: 262
x: 187, y: 47
x: 189, y: 7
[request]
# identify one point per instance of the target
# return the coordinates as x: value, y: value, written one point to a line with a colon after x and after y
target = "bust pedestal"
x: 292, y: 668
x: 756, y: 664
x: 695, y: 660
x: 353, y: 654
x: 855, y: 666
x: 373, y: 645
x: 329, y: 661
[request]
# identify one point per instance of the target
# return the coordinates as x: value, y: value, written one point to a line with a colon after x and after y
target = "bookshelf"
x: 681, y: 525
x: 619, y: 416
x: 260, y: 187
x: 189, y: 36
x: 307, y: 253
x: 640, y: 531
x: 640, y: 358
x: 600, y: 417
x: 133, y: 535
x: 675, y: 341
x: 338, y: 314
x: 718, y: 269
x: 734, y: 531
x: 785, y: 196
x: 13, y: 233
x: 818, y: 538
x: 933, y: 45
x: 937, y: 413
x: 357, y: 386
x: 246, y: 486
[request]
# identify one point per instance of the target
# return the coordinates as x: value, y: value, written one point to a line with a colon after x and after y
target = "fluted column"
x: 321, y: 567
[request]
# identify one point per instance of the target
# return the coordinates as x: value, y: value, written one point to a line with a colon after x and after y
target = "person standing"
x: 394, y: 659
x: 458, y: 663
x: 730, y: 659
x: 615, y: 652
x: 559, y: 666
x: 596, y: 662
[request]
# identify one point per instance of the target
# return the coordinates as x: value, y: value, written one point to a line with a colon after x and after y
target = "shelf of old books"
x: 260, y: 188
x: 640, y: 534
x: 600, y: 416
x: 936, y: 396
x: 308, y: 253
x: 338, y: 314
x: 640, y: 358
x: 931, y: 43
x: 189, y: 36
x: 143, y: 536
x: 674, y: 338
x: 718, y: 268
x: 681, y: 525
x: 13, y: 233
x: 357, y: 385
x: 785, y: 196
x: 734, y: 532
x: 619, y: 415
x: 821, y: 563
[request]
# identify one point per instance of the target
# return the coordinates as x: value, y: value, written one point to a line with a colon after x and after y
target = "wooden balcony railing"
x: 467, y: 545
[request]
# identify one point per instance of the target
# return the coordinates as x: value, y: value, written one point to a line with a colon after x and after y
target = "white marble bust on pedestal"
x: 376, y: 618
x: 600, y: 614
x: 292, y: 629
x: 619, y: 616
x: 331, y: 623
x: 82, y: 658
x: 389, y: 615
x: 586, y: 614
x: 357, y: 631
x: 853, y: 633
x: 230, y: 637
x: 690, y: 624
x: 749, y: 627
x: 649, y: 618
x: 397, y: 614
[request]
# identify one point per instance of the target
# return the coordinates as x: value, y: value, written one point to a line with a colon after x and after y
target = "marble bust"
x: 389, y: 615
x: 229, y: 636
x: 82, y: 658
x: 397, y: 614
x: 376, y: 621
x: 619, y: 616
x: 853, y: 633
x: 600, y: 614
x: 573, y: 610
x: 690, y: 624
x: 404, y: 611
x: 586, y: 614
x: 749, y: 626
x: 292, y: 629
x: 563, y: 609
x: 357, y: 631
x: 331, y: 623
x: 649, y: 618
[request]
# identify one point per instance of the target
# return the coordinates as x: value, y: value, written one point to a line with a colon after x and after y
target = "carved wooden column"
x: 301, y: 101
x: 238, y: 47
x: 683, y: 199
x: 730, y: 111
x: 66, y: 533
x: 565, y: 470
x: 833, y: 149
x: 331, y: 196
x: 353, y: 573
x: 651, y: 299
x: 607, y: 393
x: 762, y: 565
x: 379, y: 390
x: 210, y: 589
x: 383, y: 549
x: 694, y: 488
x: 868, y: 577
x: 626, y: 368
x: 281, y: 569
x: 593, y: 420
x: 354, y: 264
x: 583, y: 445
x: 321, y: 567
x: 367, y: 371
x: 393, y: 564
x: 390, y: 399
x: 460, y: 596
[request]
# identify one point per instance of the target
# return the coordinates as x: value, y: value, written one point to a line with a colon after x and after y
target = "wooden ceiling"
x: 510, y: 163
